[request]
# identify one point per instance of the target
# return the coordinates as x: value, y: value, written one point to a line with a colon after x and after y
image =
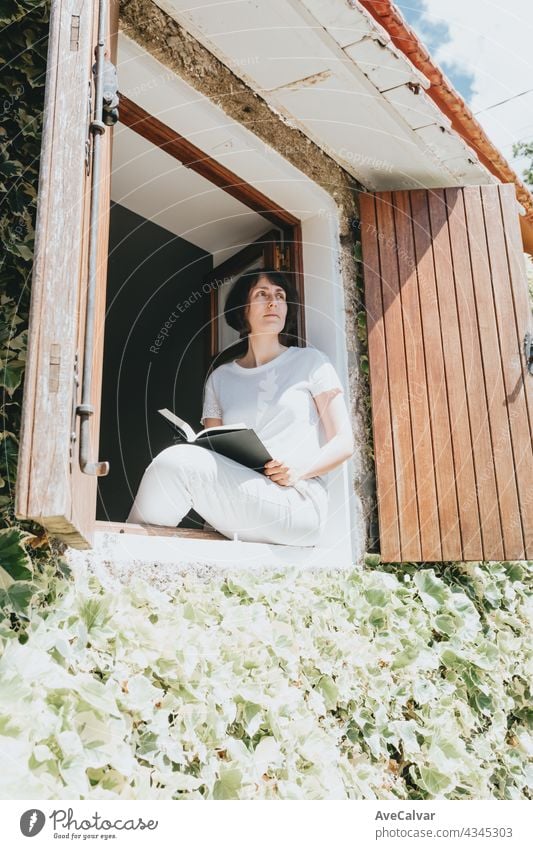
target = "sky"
x: 486, y: 49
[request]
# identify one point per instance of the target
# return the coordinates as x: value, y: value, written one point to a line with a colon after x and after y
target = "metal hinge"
x: 110, y: 94
x: 88, y: 136
x: 73, y: 415
x: 110, y: 102
x: 110, y: 99
x: 528, y: 351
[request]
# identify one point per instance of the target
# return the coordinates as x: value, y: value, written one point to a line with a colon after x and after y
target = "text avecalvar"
x: 404, y: 815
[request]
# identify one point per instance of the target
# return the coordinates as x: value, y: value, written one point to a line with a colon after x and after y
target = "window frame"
x: 281, y: 248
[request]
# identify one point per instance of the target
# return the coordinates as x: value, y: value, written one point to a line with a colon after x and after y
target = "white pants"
x: 230, y: 497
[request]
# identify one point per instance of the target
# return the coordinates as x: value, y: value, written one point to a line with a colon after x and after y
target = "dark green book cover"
x: 237, y: 442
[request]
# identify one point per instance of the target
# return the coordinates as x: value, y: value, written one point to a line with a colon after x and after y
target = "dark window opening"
x: 155, y: 352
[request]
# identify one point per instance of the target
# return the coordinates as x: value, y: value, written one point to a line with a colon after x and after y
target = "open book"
x: 237, y: 441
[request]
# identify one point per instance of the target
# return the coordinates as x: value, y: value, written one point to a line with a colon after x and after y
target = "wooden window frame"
x: 190, y: 156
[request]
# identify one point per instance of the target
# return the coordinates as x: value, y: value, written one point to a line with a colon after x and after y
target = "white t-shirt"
x: 276, y: 400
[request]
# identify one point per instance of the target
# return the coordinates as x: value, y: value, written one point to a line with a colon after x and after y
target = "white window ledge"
x: 185, y: 554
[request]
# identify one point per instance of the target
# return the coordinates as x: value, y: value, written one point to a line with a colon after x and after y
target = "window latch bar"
x: 105, y: 114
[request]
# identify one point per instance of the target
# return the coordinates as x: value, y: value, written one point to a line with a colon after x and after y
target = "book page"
x: 180, y: 423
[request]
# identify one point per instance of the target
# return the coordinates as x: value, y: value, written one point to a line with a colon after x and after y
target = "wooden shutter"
x: 448, y: 309
x: 51, y: 489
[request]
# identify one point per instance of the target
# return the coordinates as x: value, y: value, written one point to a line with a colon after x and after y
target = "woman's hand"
x: 280, y: 473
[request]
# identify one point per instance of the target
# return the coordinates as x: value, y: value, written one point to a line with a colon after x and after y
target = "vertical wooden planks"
x: 479, y: 502
x: 379, y: 384
x: 452, y: 349
x: 524, y: 324
x: 436, y: 386
x: 397, y: 367
x: 43, y: 482
x: 448, y: 360
x: 38, y: 294
x: 427, y: 546
x: 511, y: 323
x: 497, y: 422
x: 50, y: 486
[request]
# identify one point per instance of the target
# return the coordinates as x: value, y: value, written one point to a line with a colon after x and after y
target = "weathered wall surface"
x: 175, y: 48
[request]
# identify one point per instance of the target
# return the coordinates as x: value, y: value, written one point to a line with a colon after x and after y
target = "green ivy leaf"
x: 13, y: 557
x: 435, y: 782
x: 515, y: 572
x: 445, y: 624
x: 329, y: 692
x: 376, y: 597
x: 372, y: 559
x: 432, y: 590
x: 405, y: 657
x: 11, y: 375
x: 228, y: 785
x: 17, y: 596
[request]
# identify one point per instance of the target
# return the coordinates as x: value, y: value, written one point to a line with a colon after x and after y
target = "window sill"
x: 155, y: 530
x: 147, y: 547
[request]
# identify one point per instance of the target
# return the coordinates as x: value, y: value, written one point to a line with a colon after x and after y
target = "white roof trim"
x: 328, y: 68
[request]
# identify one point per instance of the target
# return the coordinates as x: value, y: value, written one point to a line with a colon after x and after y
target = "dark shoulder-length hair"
x: 238, y: 298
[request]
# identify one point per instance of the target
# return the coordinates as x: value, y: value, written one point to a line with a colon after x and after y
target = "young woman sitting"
x: 284, y: 394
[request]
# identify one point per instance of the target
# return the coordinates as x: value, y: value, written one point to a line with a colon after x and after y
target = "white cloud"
x: 492, y: 42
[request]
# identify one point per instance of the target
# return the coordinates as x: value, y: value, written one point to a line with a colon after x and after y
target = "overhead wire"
x: 501, y: 102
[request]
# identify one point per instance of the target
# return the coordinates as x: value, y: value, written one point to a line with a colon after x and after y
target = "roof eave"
x: 451, y: 104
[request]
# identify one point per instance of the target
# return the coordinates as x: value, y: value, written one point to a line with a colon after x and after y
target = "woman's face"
x: 266, y: 310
